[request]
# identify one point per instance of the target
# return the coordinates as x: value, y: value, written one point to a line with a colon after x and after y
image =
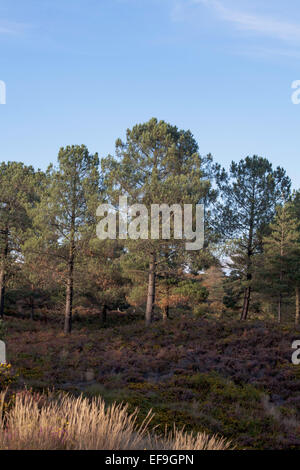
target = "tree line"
x: 51, y: 257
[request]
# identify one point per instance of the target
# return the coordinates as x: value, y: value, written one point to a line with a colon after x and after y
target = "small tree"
x: 295, y: 208
x: 190, y: 292
x: 281, y: 255
x: 213, y: 280
x: 100, y: 278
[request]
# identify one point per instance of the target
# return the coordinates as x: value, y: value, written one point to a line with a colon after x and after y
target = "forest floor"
x: 219, y: 376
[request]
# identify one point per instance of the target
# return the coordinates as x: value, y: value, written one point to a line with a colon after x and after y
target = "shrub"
x: 7, y: 377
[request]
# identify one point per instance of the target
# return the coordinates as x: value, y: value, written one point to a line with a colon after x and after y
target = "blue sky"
x: 82, y: 71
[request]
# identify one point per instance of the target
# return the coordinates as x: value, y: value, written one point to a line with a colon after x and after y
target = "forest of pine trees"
x: 52, y: 261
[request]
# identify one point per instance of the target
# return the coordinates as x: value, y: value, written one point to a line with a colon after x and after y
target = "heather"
x: 221, y: 377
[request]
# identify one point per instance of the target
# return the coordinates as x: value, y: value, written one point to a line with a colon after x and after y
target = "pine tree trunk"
x: 165, y: 313
x: 151, y: 290
x: 247, y: 292
x: 104, y: 314
x: 2, y: 273
x: 297, y: 317
x: 69, y: 300
x: 69, y: 289
x: 279, y: 309
x: 32, y: 308
x: 245, y: 310
x: 2, y: 291
x: 280, y: 277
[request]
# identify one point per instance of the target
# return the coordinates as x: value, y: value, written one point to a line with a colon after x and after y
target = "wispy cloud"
x: 8, y: 27
x: 267, y: 26
x: 268, y: 52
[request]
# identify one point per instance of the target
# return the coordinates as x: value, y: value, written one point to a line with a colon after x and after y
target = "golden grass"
x: 39, y: 422
x: 180, y: 440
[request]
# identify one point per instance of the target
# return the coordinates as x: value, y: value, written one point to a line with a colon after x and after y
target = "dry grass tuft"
x: 39, y: 422
x: 181, y: 440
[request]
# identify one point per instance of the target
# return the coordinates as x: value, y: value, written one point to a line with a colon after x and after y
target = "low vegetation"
x: 218, y: 377
x: 31, y: 421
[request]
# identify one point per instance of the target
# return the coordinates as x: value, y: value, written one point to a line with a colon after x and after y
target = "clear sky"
x: 82, y: 71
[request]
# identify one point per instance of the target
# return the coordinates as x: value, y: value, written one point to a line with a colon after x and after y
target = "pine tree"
x: 66, y: 217
x: 295, y: 208
x: 157, y: 164
x: 17, y: 196
x: 281, y: 254
x: 249, y: 195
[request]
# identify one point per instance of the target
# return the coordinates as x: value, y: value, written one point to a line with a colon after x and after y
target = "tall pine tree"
x: 158, y: 164
x: 65, y: 218
x: 249, y: 195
